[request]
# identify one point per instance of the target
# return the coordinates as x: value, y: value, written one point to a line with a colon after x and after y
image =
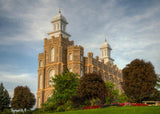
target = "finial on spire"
x: 59, y: 11
x: 105, y: 39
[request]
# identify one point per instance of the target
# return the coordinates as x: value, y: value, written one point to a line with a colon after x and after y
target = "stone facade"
x: 60, y: 53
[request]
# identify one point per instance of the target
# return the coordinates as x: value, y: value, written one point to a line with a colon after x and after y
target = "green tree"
x: 23, y: 98
x: 92, y: 86
x: 139, y: 79
x: 4, y: 98
x: 112, y: 93
x: 65, y: 87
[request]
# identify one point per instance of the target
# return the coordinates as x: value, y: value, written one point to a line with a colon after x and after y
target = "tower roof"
x: 105, y: 45
x: 59, y: 17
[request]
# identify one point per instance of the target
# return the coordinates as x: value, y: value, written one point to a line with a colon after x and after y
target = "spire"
x: 105, y: 39
x: 59, y: 11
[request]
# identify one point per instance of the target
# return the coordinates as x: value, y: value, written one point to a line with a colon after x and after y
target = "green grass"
x: 116, y: 110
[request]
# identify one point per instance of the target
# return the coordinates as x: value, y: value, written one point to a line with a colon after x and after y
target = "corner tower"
x: 59, y: 26
x: 106, y: 53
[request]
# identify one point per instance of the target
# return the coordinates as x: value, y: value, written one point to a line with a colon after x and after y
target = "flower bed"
x: 91, y: 107
x: 132, y: 104
x: 114, y: 104
x: 139, y: 104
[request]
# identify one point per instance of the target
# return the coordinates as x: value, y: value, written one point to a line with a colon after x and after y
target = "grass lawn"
x: 116, y: 110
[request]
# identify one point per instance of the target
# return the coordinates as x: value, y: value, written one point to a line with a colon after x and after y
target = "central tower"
x: 59, y: 26
x: 106, y: 53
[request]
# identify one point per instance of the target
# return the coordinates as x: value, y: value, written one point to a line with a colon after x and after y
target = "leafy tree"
x: 4, y: 98
x: 92, y: 86
x: 155, y: 96
x: 111, y: 92
x: 23, y: 98
x: 139, y: 79
x: 65, y: 87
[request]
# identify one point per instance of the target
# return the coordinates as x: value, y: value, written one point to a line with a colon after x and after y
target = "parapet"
x: 90, y: 54
x: 75, y: 47
x: 40, y: 56
x: 45, y: 40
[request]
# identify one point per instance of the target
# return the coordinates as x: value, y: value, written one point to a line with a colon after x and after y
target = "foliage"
x: 155, y: 96
x: 6, y: 111
x: 96, y: 101
x: 77, y: 101
x: 23, y: 98
x: 65, y: 87
x: 123, y: 98
x: 92, y: 86
x: 4, y: 98
x: 139, y: 79
x: 113, y: 94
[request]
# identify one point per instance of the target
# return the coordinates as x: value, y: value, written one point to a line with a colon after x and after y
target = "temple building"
x: 59, y: 52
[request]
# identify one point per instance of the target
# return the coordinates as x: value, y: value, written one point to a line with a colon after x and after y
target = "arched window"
x: 52, y: 54
x: 81, y: 57
x: 57, y: 26
x: 105, y: 53
x: 51, y: 75
x: 70, y: 56
x: 40, y: 82
x: 102, y: 53
x: 54, y: 27
x: 70, y: 70
x: 41, y: 63
x: 62, y: 27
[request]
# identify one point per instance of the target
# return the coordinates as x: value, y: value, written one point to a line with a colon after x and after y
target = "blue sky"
x: 132, y: 28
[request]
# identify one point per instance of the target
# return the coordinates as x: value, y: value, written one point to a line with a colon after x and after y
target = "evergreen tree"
x: 4, y: 98
x: 139, y: 80
x: 23, y: 98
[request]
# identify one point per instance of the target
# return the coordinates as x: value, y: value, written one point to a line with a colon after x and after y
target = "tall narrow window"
x: 51, y: 75
x: 41, y: 63
x: 40, y: 82
x: 62, y: 27
x: 70, y: 70
x: 102, y: 53
x: 70, y: 56
x: 57, y: 26
x: 105, y: 53
x: 54, y: 27
x: 52, y: 54
x: 81, y: 58
x: 81, y: 72
x: 39, y: 102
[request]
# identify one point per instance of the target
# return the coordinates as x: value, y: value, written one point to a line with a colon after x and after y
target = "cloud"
x: 12, y: 80
x: 132, y: 28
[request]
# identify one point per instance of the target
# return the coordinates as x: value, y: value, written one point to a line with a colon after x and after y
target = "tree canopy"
x: 23, y: 98
x: 92, y: 86
x: 4, y: 98
x: 139, y: 79
x: 65, y: 87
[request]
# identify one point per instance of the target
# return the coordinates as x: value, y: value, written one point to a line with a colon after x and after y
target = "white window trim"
x: 70, y: 56
x: 52, y: 54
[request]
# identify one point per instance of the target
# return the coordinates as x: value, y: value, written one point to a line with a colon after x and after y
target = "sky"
x: 132, y: 28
